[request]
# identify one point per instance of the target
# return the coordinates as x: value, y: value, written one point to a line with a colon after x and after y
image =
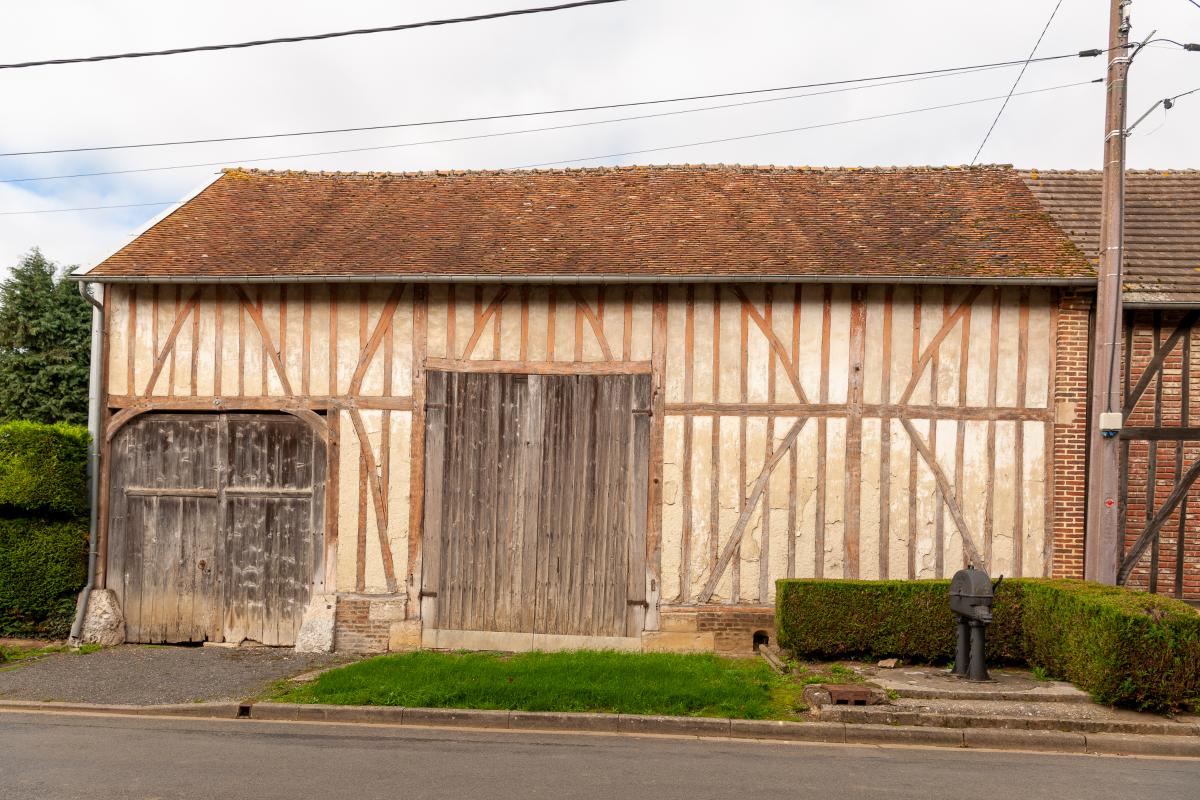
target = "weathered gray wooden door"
x: 535, y: 503
x: 215, y: 526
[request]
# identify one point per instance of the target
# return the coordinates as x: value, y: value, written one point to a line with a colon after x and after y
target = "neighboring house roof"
x: 971, y: 224
x: 1162, y: 227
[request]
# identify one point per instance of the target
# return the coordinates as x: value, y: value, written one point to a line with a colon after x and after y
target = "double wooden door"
x: 215, y: 526
x: 535, y: 503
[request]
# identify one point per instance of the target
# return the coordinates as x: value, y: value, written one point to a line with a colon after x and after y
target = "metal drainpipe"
x: 93, y: 463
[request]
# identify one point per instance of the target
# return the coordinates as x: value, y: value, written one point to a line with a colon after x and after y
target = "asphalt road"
x: 66, y: 756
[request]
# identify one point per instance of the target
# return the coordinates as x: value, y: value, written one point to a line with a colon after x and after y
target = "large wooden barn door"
x: 215, y: 529
x: 535, y: 504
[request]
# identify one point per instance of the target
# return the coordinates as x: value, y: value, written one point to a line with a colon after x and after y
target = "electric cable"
x: 1020, y: 75
x: 307, y: 38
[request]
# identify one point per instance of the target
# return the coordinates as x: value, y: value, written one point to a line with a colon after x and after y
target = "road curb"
x: 700, y: 727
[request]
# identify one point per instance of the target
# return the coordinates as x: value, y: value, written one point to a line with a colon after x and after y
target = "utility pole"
x: 1102, y: 547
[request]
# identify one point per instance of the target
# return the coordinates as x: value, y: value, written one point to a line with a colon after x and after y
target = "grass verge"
x: 699, y: 685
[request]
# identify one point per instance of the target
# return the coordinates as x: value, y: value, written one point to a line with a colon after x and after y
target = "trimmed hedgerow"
x: 1126, y: 648
x: 43, y: 469
x: 884, y: 619
x: 43, y: 564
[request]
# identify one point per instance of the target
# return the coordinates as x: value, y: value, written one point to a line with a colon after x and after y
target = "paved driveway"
x: 145, y: 674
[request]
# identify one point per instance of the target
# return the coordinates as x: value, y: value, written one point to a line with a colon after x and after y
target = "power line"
x: 802, y: 128
x: 86, y: 208
x: 474, y: 137
x: 309, y: 37
x: 1195, y: 3
x: 574, y: 109
x: 677, y: 146
x: 1020, y: 75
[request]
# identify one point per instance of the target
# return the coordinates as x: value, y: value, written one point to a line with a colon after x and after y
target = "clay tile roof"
x: 1162, y: 227
x: 977, y: 224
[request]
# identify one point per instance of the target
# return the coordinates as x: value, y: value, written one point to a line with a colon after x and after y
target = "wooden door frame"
x: 499, y: 640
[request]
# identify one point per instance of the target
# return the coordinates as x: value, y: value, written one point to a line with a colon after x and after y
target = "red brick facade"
x: 1162, y: 405
x: 1070, y: 432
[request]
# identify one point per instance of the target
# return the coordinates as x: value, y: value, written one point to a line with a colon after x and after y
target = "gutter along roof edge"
x: 580, y: 279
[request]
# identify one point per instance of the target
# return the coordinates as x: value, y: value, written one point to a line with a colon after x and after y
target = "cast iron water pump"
x: 971, y: 597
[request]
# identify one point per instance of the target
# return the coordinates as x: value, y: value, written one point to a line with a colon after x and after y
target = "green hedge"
x: 1126, y: 648
x: 882, y: 619
x: 43, y: 469
x: 43, y: 564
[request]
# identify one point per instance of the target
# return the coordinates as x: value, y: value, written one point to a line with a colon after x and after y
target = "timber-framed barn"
x: 597, y: 407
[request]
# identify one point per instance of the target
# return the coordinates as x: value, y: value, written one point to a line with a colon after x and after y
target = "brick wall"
x: 357, y: 630
x: 734, y: 627
x: 1070, y: 432
x: 1162, y: 405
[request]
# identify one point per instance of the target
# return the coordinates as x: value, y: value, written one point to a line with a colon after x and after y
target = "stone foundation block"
x: 678, y: 642
x: 678, y: 621
x: 317, y: 624
x: 404, y: 635
x: 103, y: 622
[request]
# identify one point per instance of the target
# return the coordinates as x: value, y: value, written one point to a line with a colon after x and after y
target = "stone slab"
x: 555, y: 721
x: 456, y: 717
x: 1006, y: 739
x: 892, y: 734
x: 1131, y: 745
x: 667, y: 641
x: 788, y: 731
x: 682, y: 726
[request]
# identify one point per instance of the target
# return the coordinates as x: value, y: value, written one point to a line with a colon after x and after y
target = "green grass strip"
x: 597, y: 681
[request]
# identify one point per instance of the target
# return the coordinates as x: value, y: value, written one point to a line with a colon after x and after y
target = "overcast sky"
x: 635, y: 50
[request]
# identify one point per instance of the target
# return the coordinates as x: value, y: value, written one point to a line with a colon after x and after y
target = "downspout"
x: 93, y: 462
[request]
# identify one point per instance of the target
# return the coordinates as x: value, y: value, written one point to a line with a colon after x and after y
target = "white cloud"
x: 627, y: 51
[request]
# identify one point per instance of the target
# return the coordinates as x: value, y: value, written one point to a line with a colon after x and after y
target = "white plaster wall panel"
x: 1006, y: 388
x: 1033, y: 501
x: 1004, y: 510
x: 180, y: 359
x: 927, y: 319
x: 676, y: 345
x: 783, y: 317
x: 979, y: 364
x: 398, y: 488
x: 702, y: 354
x: 116, y: 304
x: 975, y: 481
x: 869, y: 516
x: 347, y: 512
x: 350, y: 335
x: 402, y: 345
x: 510, y: 325
x: 873, y: 336
x: 902, y: 341
x: 898, y: 494
x: 205, y: 355
x: 926, y: 510
x: 811, y: 315
x: 643, y: 310
x: 731, y: 494
x: 672, y: 507
x: 435, y: 323
x: 318, y: 375
x: 144, y: 345
x: 950, y: 353
x: 375, y: 300
x: 751, y: 549
x: 806, y: 500
x: 947, y: 456
x: 702, y: 532
x: 835, y: 499
x: 1037, y: 380
x: 839, y: 344
x: 731, y: 351
x: 539, y: 299
x: 374, y: 573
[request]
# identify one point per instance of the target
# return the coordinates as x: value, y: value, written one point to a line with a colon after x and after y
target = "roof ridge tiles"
x: 645, y: 168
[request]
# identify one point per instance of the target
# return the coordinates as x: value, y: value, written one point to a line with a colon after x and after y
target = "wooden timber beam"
x: 268, y: 343
x: 1166, y: 433
x: 947, y: 492
x: 739, y: 527
x: 381, y: 520
x: 1155, y: 523
x: 1160, y: 355
x: 777, y: 347
x: 372, y: 346
x: 482, y: 321
x: 541, y: 367
x: 885, y: 410
x: 932, y: 348
x: 169, y: 344
x: 593, y: 321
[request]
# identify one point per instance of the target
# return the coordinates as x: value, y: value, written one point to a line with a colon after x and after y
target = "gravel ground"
x: 146, y: 675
